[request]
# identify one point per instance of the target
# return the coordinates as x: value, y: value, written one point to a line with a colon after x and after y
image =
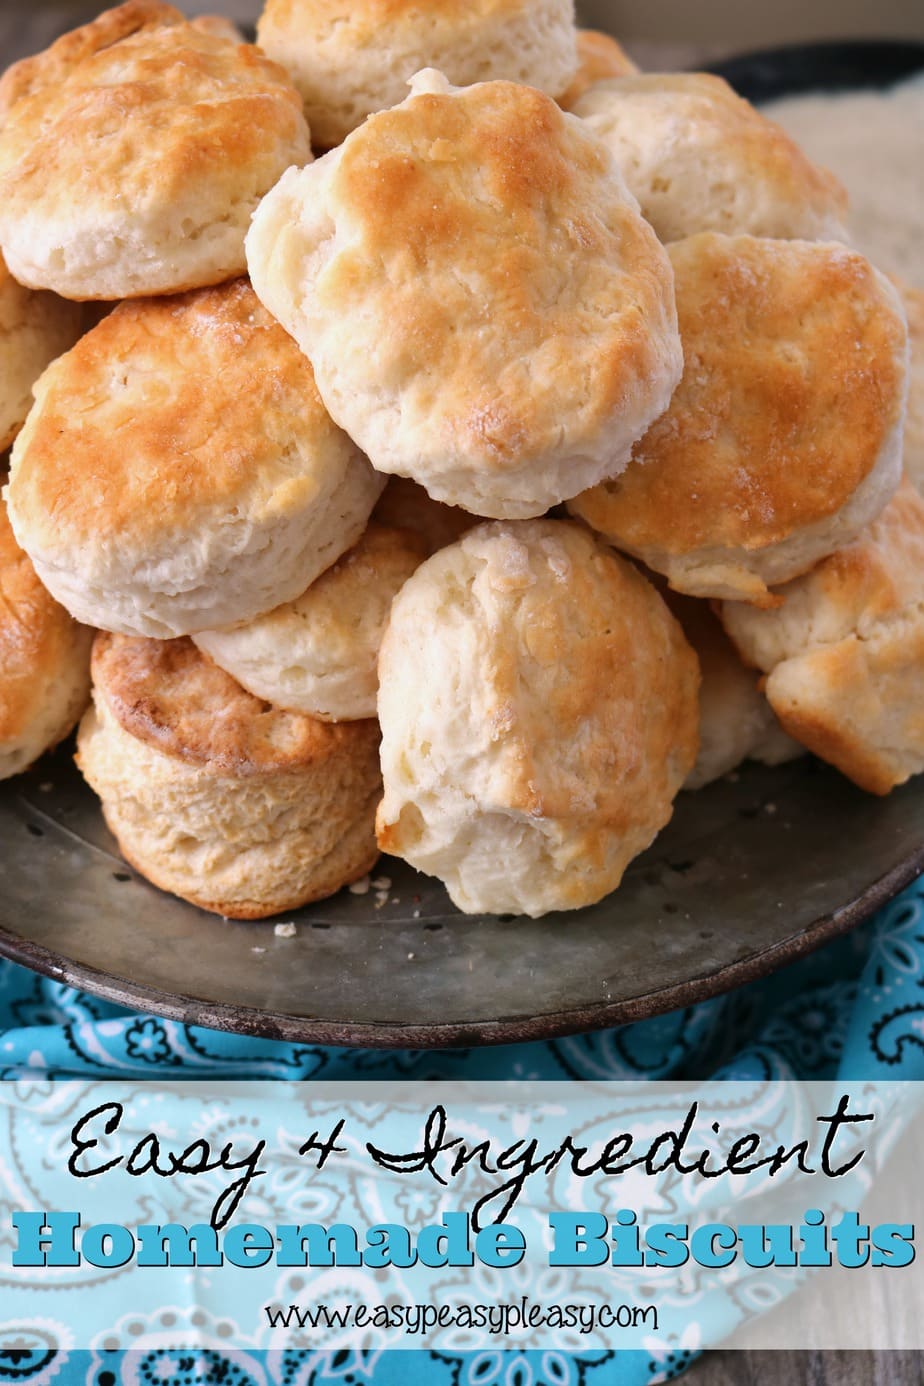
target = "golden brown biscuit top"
x: 495, y: 261
x: 168, y: 410
x: 793, y: 381
x: 882, y: 572
x: 600, y: 58
x: 340, y: 604
x: 35, y: 634
x: 171, y: 696
x: 48, y: 70
x: 145, y: 99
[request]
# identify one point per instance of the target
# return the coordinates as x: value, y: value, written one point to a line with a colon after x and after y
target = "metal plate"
x: 807, y: 67
x: 750, y: 874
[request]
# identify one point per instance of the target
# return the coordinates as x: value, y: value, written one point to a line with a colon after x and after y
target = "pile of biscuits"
x: 458, y: 474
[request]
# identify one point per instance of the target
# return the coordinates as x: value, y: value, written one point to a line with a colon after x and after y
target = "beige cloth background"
x: 737, y: 24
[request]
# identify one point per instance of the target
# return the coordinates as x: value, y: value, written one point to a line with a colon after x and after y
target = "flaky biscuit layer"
x: 44, y: 662
x: 534, y: 738
x: 843, y: 652
x: 179, y: 472
x: 134, y: 151
x: 235, y: 806
x: 485, y: 309
x: 319, y: 653
x: 700, y: 158
x: 350, y: 58
x: 784, y: 437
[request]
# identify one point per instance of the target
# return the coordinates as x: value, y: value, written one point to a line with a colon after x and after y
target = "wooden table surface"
x: 25, y: 29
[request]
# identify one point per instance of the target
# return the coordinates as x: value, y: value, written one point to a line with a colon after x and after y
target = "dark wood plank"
x: 808, y: 1369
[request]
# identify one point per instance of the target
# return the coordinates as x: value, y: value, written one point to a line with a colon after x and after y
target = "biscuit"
x: 44, y: 662
x: 700, y: 158
x: 178, y: 471
x: 533, y: 743
x: 600, y: 58
x: 913, y: 456
x: 844, y: 652
x: 219, y: 26
x: 133, y: 152
x: 318, y: 654
x: 34, y: 329
x: 485, y: 310
x: 784, y: 437
x: 350, y: 58
x: 235, y: 806
x: 405, y: 505
x: 736, y: 723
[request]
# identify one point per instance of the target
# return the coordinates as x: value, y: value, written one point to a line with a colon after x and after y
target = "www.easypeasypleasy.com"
x: 496, y: 1319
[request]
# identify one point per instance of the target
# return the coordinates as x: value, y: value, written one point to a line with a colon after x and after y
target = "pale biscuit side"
x: 700, y: 158
x: 350, y: 58
x: 319, y: 653
x: 34, y: 329
x: 533, y: 743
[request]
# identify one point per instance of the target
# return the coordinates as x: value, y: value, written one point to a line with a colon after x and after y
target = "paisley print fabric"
x: 854, y: 1009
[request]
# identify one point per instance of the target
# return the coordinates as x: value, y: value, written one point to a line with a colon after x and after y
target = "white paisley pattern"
x: 853, y: 1010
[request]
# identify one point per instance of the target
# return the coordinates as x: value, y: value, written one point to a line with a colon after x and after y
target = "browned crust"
x: 53, y: 66
x: 147, y: 110
x: 616, y: 632
x: 167, y: 407
x: 792, y: 383
x: 858, y: 590
x: 882, y: 571
x: 171, y: 696
x: 36, y: 634
x: 489, y: 188
x: 368, y: 18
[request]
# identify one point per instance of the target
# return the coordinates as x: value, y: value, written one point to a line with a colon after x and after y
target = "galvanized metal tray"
x: 751, y: 873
